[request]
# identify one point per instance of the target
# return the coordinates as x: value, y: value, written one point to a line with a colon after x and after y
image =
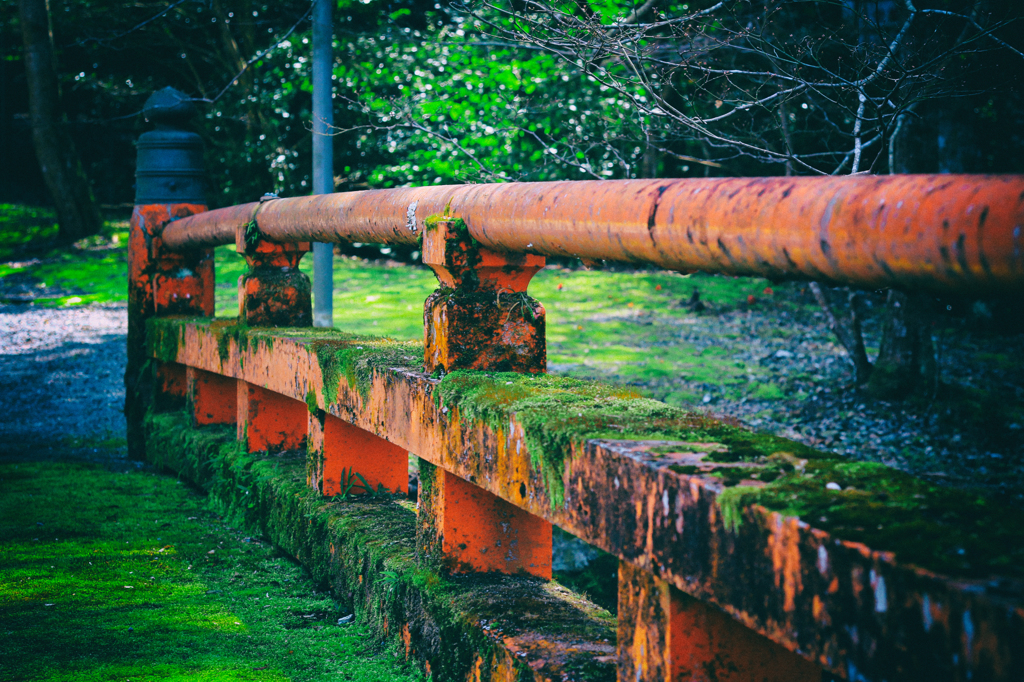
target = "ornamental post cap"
x: 169, y: 108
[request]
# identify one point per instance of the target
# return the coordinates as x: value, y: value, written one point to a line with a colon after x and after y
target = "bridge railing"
x: 715, y: 582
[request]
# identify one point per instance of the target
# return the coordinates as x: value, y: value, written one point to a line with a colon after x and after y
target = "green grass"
x: 25, y: 227
x: 94, y: 270
x: 368, y: 299
x: 114, y: 576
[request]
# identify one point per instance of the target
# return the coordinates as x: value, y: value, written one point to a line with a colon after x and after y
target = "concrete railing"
x: 715, y: 582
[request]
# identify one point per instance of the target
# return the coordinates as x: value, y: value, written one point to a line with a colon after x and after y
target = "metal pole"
x: 323, y: 157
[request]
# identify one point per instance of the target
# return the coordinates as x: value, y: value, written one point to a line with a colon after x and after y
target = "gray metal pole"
x: 323, y: 157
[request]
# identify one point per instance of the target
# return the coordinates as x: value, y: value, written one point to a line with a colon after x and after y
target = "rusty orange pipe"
x: 942, y: 232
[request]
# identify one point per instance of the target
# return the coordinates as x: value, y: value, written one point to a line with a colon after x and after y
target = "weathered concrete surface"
x: 480, y: 316
x: 464, y: 528
x: 160, y: 282
x: 855, y: 611
x: 273, y: 292
x: 667, y: 635
x: 478, y: 627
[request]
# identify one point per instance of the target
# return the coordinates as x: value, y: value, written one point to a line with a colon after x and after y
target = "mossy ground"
x: 112, y: 576
x: 33, y: 267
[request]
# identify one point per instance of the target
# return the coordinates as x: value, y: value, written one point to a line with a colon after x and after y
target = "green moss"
x: 556, y: 413
x: 163, y: 336
x: 768, y: 391
x: 136, y: 577
x: 365, y: 549
x: 947, y: 530
x: 356, y: 359
x: 234, y: 330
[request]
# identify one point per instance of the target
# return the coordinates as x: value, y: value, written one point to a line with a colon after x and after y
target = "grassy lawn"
x: 115, y: 576
x: 94, y: 270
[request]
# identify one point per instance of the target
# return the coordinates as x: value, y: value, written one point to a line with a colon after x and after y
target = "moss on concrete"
x: 955, y: 532
x: 163, y: 335
x: 358, y: 359
x: 365, y: 549
x: 948, y: 530
x: 952, y: 531
x: 557, y: 413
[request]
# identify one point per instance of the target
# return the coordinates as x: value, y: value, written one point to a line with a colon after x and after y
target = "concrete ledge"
x: 888, y: 577
x: 481, y: 627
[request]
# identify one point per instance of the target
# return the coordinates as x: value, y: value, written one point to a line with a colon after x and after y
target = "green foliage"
x: 446, y: 105
x: 352, y: 482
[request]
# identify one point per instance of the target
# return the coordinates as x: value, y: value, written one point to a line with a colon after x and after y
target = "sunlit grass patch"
x: 33, y: 267
x: 21, y: 226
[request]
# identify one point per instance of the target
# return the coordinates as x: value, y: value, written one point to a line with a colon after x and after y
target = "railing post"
x: 337, y: 450
x: 665, y: 634
x: 480, y: 317
x: 272, y: 293
x: 211, y: 398
x: 169, y: 185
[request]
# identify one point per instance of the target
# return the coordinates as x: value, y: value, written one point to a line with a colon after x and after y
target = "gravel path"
x: 61, y: 381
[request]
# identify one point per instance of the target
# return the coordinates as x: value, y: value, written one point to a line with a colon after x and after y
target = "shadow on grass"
x: 109, y: 576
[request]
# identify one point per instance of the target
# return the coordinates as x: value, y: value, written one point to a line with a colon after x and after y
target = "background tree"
x: 55, y: 149
x: 829, y: 87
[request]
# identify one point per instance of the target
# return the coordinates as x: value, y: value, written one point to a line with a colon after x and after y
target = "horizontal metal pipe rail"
x: 951, y: 233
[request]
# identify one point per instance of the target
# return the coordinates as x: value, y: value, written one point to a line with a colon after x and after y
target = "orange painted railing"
x: 788, y: 601
x: 941, y: 232
x: 951, y: 233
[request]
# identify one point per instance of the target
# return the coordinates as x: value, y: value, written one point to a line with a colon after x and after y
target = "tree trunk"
x: 847, y: 330
x: 62, y: 169
x: 906, y: 358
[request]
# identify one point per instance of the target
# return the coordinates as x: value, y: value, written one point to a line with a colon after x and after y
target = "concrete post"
x: 169, y: 185
x: 273, y: 293
x: 667, y: 635
x: 337, y: 450
x: 480, y: 317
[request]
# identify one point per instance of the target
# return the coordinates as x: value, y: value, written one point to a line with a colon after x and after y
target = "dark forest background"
x: 439, y: 93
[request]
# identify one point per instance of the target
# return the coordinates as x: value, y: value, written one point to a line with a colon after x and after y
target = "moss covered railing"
x: 742, y: 556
